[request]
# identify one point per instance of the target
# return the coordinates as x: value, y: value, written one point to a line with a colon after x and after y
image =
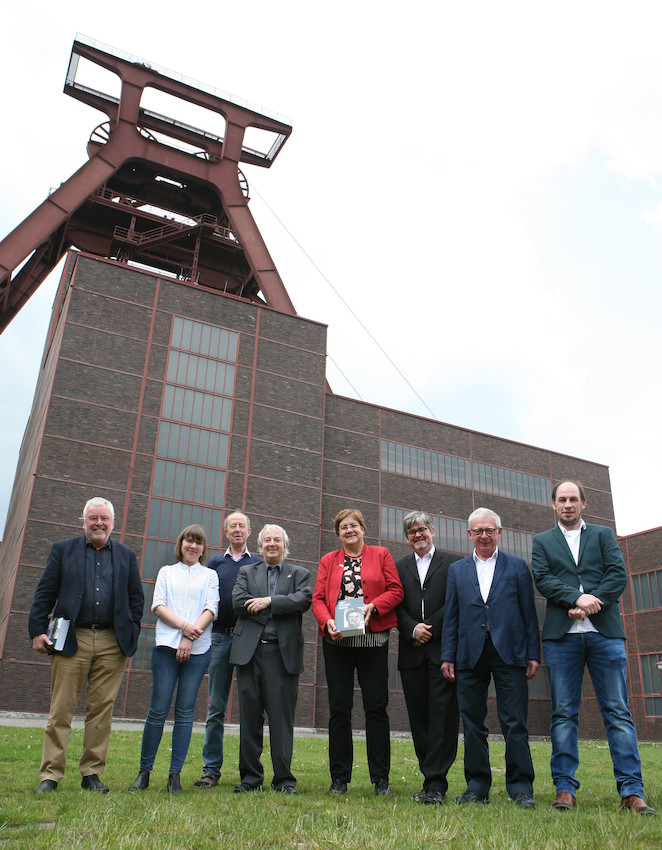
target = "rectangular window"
x: 456, y: 471
x: 394, y: 680
x: 166, y: 519
x: 539, y: 687
x: 200, y: 373
x: 653, y: 590
x: 652, y: 689
x: 208, y: 340
x: 434, y: 458
x: 142, y: 660
x: 155, y: 554
x: 646, y: 590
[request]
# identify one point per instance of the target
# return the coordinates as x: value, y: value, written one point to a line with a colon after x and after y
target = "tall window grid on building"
x: 461, y: 472
x: 188, y: 484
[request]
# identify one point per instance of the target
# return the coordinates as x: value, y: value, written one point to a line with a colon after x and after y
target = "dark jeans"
x: 371, y: 665
x: 168, y: 673
x: 512, y: 698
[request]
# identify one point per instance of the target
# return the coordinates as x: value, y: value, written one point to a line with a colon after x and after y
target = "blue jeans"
x: 167, y: 673
x: 606, y: 659
x: 220, y: 680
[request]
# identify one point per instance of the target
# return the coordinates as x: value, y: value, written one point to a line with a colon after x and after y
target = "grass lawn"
x: 206, y: 818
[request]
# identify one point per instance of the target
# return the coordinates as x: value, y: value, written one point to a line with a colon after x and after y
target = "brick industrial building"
x: 192, y: 388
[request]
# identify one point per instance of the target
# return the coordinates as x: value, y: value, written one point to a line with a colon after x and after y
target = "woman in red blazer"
x: 369, y: 573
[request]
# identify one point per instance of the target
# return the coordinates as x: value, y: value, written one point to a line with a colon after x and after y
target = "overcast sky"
x: 479, y: 181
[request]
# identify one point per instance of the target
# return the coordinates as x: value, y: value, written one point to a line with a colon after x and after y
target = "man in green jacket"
x: 580, y: 570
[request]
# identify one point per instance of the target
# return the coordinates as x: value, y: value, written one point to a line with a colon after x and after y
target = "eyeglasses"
x: 478, y: 532
x: 92, y: 518
x: 412, y: 532
x: 351, y: 527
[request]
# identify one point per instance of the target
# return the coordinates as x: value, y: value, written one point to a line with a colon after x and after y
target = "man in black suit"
x: 269, y: 598
x: 431, y: 701
x: 95, y: 584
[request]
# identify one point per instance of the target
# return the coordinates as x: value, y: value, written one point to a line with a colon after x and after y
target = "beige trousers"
x: 100, y: 661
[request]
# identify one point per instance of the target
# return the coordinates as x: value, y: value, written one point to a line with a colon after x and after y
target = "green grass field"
x: 206, y: 818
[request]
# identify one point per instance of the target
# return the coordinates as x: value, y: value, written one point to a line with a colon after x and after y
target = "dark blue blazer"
x: 600, y: 570
x: 61, y: 587
x: 510, y: 612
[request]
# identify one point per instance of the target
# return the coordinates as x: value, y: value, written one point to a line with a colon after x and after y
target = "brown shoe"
x: 564, y: 800
x: 207, y: 780
x: 636, y: 804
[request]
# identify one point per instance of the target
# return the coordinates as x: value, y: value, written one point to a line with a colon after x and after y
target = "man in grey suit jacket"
x: 93, y: 582
x: 580, y: 570
x: 491, y: 631
x: 269, y: 598
x: 431, y: 700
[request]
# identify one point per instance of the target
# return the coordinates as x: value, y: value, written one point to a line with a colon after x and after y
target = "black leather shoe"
x: 174, y: 783
x: 45, y: 786
x: 472, y: 797
x: 338, y: 787
x: 142, y: 780
x: 286, y: 789
x: 419, y: 796
x: 524, y: 800
x: 93, y: 783
x: 433, y: 798
x: 244, y: 786
x: 382, y: 788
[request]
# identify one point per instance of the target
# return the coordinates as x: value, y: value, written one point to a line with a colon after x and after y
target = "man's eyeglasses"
x: 478, y: 532
x: 412, y: 532
x: 92, y: 518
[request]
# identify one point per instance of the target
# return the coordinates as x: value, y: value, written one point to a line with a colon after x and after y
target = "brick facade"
x: 297, y: 454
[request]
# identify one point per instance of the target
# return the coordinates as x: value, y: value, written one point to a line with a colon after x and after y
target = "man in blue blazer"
x: 94, y: 583
x: 580, y: 570
x: 269, y: 598
x: 491, y: 631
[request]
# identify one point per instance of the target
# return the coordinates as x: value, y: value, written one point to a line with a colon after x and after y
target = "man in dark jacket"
x: 237, y: 530
x: 269, y: 598
x: 431, y: 700
x: 491, y: 631
x: 580, y: 570
x: 94, y: 584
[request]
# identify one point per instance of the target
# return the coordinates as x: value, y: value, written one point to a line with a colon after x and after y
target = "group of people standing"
x: 462, y: 622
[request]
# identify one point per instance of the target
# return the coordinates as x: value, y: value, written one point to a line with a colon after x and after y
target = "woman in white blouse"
x: 186, y: 604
